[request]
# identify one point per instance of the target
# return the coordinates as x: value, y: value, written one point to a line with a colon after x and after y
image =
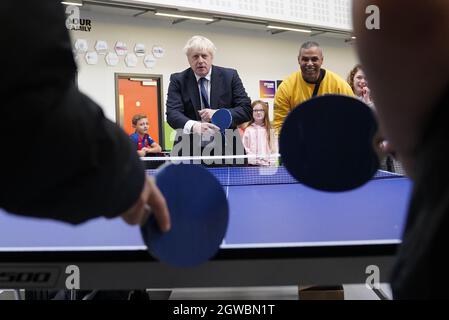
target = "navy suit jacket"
x: 226, y: 91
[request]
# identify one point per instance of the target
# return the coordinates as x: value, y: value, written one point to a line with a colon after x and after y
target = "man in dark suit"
x: 196, y: 93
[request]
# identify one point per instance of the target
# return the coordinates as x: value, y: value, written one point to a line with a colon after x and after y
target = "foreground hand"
x: 152, y: 201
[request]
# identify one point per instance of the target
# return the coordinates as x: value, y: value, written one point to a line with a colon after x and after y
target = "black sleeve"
x: 176, y: 117
x: 62, y: 158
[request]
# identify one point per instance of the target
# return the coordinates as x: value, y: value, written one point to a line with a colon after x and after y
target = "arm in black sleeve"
x: 176, y: 117
x: 241, y: 108
x: 62, y: 158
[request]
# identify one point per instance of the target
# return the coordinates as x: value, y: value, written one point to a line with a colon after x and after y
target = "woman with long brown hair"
x: 359, y: 85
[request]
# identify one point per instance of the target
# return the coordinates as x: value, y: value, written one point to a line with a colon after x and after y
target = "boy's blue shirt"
x: 146, y: 141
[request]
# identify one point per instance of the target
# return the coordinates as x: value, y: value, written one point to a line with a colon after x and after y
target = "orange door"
x: 139, y: 96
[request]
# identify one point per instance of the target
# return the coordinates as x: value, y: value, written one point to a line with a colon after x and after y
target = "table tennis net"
x: 237, y: 170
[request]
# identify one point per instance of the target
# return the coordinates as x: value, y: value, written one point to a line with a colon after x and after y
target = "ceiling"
x: 148, y: 12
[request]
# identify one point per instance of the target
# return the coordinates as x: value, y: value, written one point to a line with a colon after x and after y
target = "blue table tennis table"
x: 280, y: 232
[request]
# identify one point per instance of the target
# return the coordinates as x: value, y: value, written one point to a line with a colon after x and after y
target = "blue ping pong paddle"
x: 222, y: 118
x: 327, y: 143
x: 199, y: 216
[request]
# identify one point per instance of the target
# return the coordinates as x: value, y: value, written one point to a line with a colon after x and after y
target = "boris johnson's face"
x: 200, y: 61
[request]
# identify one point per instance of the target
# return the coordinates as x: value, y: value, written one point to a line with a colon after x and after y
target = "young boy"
x: 144, y: 143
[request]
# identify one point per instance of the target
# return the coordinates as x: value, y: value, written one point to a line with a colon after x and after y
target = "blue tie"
x: 204, y: 96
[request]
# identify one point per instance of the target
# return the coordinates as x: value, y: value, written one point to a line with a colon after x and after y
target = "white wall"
x: 256, y: 54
